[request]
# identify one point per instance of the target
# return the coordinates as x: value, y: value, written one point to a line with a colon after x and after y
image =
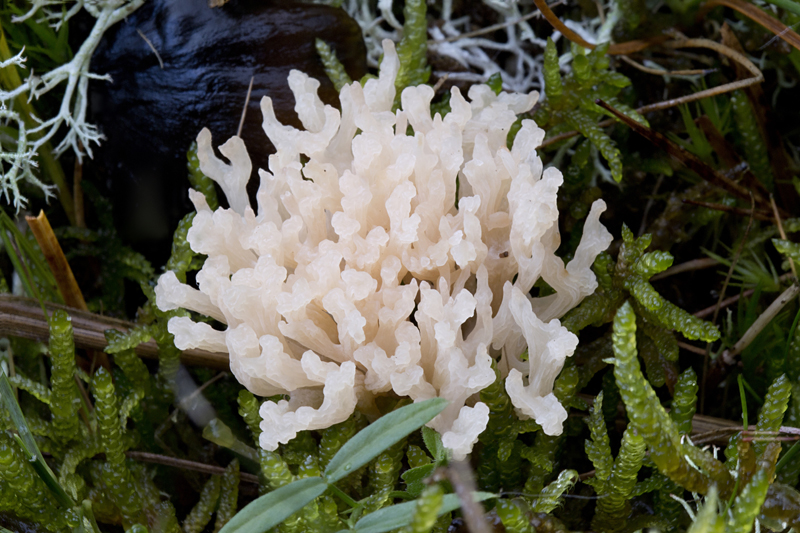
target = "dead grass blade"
x: 749, y: 10
x: 22, y: 317
x: 615, y: 49
x: 683, y: 156
x: 54, y: 255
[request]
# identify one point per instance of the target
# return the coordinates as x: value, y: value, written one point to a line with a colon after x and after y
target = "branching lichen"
x: 71, y: 113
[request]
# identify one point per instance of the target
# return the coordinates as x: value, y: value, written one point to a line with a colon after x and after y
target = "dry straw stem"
x: 65, y: 279
x: 757, y: 77
x: 664, y: 72
x: 760, y: 323
x: 685, y: 157
x: 688, y: 266
x: 615, y: 49
x: 166, y: 460
x: 184, y: 464
x: 23, y: 317
x: 758, y: 215
x: 460, y: 475
x: 705, y: 429
x: 152, y: 47
x: 749, y: 10
x: 711, y: 430
x: 679, y: 43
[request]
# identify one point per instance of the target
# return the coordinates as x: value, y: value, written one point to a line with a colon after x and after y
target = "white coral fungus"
x: 398, y: 257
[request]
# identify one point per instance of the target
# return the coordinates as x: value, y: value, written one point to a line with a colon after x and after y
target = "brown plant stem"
x: 22, y: 317
x: 688, y: 266
x: 760, y: 323
x: 724, y: 303
x: 54, y: 255
x: 683, y: 156
x: 758, y: 215
x: 166, y: 460
x: 757, y: 77
x: 65, y: 279
x: 615, y: 49
x: 754, y: 13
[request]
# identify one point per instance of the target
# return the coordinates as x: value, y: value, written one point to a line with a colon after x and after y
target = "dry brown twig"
x: 754, y: 13
x: 707, y: 355
x: 760, y: 323
x: 635, y: 46
x: 738, y: 211
x: 460, y: 475
x: 664, y: 72
x: 688, y: 266
x: 493, y: 27
x: 686, y: 158
x: 615, y: 49
x: 711, y: 429
x: 22, y: 317
x: 166, y: 460
x: 57, y: 261
x: 780, y: 229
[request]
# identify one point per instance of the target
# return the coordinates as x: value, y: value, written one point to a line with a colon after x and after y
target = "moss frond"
x: 65, y: 399
x: 200, y: 515
x: 333, y: 67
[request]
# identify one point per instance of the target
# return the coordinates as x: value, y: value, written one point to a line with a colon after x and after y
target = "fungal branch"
x: 19, y: 155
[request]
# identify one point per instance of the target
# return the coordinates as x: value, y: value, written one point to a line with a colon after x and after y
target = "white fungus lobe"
x: 398, y: 257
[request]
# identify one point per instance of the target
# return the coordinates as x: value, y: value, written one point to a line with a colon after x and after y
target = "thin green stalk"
x: 26, y: 441
x: 790, y: 337
x: 744, y: 402
x: 732, y: 498
x: 89, y: 513
x: 788, y: 456
x: 751, y: 390
x: 343, y: 496
x: 16, y: 260
x: 788, y: 5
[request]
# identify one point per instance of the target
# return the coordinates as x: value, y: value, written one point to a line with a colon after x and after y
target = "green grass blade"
x: 380, y: 435
x: 402, y: 514
x: 274, y: 507
x: 25, y: 439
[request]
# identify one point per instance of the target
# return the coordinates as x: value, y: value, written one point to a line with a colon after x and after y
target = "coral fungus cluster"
x: 389, y: 252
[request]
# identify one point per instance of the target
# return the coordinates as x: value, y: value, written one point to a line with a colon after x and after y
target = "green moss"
x: 684, y: 401
x: 412, y: 50
x: 513, y: 519
x: 657, y: 429
x: 65, y: 399
x: 751, y: 140
x: 613, y: 507
x: 200, y: 515
x: 200, y: 181
x: 427, y: 509
x: 333, y: 67
x: 116, y: 475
